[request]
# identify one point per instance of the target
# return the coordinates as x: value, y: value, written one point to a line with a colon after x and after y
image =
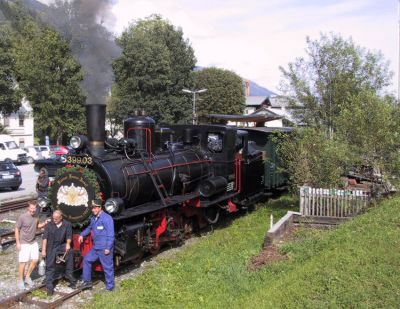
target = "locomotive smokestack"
x: 95, y: 124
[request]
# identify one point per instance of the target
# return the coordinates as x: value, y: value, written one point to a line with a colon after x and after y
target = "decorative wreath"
x: 90, y: 178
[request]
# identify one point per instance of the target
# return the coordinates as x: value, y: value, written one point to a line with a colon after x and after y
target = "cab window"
x: 214, y: 142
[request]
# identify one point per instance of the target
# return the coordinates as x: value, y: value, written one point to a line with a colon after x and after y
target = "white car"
x: 45, y: 150
x: 9, y: 150
x: 33, y: 154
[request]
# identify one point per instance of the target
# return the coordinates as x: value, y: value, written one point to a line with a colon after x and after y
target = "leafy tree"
x: 225, y: 92
x: 311, y: 159
x: 112, y: 114
x: 323, y: 83
x: 340, y: 90
x: 10, y: 97
x: 3, y: 130
x: 371, y: 126
x: 153, y: 69
x: 49, y: 77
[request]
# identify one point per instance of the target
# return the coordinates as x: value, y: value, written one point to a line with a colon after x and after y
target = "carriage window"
x: 214, y: 142
x: 239, y: 143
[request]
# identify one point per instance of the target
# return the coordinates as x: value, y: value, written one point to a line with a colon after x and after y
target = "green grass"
x: 41, y: 294
x: 7, y: 225
x: 355, y: 265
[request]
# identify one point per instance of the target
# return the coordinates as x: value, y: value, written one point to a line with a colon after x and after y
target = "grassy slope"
x: 357, y: 265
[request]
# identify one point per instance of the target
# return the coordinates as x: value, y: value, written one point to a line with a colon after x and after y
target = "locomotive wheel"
x: 155, y: 249
x: 187, y: 226
x: 211, y: 214
x: 187, y: 230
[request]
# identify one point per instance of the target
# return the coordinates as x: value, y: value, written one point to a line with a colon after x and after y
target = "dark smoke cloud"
x: 82, y: 23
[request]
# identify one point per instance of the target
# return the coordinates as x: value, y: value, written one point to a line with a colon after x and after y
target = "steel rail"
x: 14, y: 204
x: 24, y: 297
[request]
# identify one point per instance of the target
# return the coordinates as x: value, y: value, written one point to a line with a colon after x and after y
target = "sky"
x: 254, y: 38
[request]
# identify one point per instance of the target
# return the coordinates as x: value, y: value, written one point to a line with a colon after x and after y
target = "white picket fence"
x: 332, y: 203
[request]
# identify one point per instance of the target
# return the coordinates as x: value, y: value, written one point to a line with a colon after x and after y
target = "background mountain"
x: 34, y: 5
x: 257, y: 90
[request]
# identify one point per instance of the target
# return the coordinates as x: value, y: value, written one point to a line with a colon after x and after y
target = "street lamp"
x: 194, y: 92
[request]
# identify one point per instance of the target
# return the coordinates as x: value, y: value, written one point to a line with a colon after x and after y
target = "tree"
x: 10, y: 97
x: 340, y: 89
x: 371, y: 126
x: 323, y: 83
x: 3, y: 130
x: 311, y: 159
x: 225, y: 92
x: 153, y: 69
x: 112, y: 114
x: 49, y: 78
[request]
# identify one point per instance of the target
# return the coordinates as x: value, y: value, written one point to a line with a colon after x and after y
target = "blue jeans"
x: 107, y: 263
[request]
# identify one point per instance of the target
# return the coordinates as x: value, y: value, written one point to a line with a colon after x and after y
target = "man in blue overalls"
x: 102, y: 226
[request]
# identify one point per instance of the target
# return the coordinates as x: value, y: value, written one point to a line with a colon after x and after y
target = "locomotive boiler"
x: 159, y: 183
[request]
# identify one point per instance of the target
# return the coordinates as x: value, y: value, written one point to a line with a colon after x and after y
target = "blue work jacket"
x: 103, y: 231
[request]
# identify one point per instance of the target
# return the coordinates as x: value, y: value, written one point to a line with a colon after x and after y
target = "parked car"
x: 59, y: 150
x: 9, y: 150
x: 45, y: 150
x: 33, y: 154
x: 51, y: 165
x: 10, y: 175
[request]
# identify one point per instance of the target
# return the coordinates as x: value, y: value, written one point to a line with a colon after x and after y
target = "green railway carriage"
x: 274, y: 176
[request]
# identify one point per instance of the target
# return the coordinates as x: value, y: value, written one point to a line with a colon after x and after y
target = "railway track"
x: 8, y: 238
x: 29, y: 298
x: 13, y: 205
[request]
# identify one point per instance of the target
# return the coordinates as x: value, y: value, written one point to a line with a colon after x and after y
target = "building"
x: 20, y: 125
x: 263, y: 108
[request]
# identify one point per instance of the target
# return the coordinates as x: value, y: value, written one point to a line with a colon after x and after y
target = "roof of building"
x: 279, y: 101
x: 265, y: 111
x: 271, y: 129
x: 262, y: 114
x: 255, y: 100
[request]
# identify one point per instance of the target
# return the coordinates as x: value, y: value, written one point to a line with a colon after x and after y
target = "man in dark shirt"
x: 57, y: 238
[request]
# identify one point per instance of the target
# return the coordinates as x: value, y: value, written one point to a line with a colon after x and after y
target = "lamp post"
x: 194, y: 92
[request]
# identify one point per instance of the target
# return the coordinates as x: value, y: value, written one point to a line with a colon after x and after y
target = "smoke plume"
x: 83, y: 24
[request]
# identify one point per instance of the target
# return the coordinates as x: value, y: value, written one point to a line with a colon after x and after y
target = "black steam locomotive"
x: 158, y: 183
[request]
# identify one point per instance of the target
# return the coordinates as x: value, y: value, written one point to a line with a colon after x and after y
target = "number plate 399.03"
x: 80, y: 160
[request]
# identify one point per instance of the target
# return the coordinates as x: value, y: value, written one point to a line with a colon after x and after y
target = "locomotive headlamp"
x: 42, y: 202
x: 113, y: 205
x: 78, y: 141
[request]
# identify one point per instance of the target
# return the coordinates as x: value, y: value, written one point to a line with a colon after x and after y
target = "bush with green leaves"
x: 312, y: 159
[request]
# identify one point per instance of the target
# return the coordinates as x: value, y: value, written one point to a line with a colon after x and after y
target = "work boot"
x: 86, y: 285
x: 72, y: 285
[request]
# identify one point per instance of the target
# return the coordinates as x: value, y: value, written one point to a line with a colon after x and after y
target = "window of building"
x: 6, y: 122
x: 21, y: 142
x: 21, y: 119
